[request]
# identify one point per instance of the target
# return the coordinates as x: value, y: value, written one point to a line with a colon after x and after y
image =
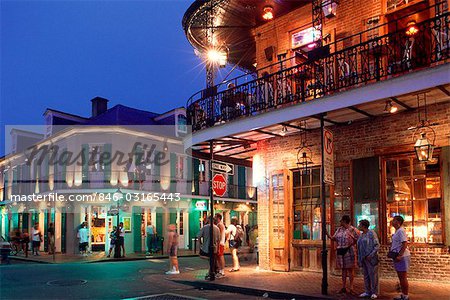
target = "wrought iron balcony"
x: 327, y: 72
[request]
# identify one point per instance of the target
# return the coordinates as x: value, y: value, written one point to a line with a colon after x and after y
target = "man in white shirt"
x: 122, y: 238
x: 36, y: 239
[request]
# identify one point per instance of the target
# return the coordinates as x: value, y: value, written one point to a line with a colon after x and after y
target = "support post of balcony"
x: 212, y: 274
x: 323, y: 214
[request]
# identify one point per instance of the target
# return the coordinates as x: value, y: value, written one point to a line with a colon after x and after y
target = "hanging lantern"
x: 329, y: 8
x: 424, y: 148
x: 411, y: 28
x: 304, y: 154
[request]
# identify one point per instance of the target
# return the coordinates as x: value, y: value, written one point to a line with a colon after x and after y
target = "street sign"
x: 222, y: 167
x: 219, y: 185
x: 328, y: 154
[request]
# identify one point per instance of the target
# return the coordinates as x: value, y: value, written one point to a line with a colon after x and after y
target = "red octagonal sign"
x: 219, y: 184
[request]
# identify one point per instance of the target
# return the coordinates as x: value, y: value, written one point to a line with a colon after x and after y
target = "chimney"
x: 99, y: 106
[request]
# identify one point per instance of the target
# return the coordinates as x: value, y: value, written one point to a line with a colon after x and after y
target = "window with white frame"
x: 179, y: 167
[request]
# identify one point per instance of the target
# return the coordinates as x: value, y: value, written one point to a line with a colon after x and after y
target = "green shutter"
x: 196, y: 176
x: 45, y: 186
x: 231, y: 188
x: 194, y: 225
x: 15, y: 220
x: 159, y: 223
x: 63, y: 229
x: 157, y: 174
x: 7, y: 229
x: 14, y: 181
x: 189, y: 176
x: 172, y: 216
x: 173, y: 172
x: 62, y: 178
x: 5, y: 188
x: 85, y: 166
x: 242, y: 194
x: 25, y: 221
x: 107, y: 163
x: 46, y: 230
x: 137, y: 235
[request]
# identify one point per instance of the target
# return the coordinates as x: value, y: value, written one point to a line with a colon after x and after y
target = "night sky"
x: 61, y: 54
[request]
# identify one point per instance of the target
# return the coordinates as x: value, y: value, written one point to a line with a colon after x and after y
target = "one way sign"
x: 223, y: 167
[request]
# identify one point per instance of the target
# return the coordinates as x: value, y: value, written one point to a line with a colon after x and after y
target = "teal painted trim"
x: 7, y: 229
x: 137, y: 234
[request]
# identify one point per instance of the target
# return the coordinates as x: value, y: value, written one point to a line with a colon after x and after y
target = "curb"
x: 248, y: 291
x: 136, y: 258
x: 30, y: 260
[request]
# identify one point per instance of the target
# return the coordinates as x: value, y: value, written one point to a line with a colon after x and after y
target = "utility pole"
x: 212, y: 272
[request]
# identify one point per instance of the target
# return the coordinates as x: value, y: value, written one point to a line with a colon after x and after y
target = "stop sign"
x: 219, y: 185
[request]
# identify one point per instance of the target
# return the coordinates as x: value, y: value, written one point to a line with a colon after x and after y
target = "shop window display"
x: 307, y: 205
x: 413, y: 191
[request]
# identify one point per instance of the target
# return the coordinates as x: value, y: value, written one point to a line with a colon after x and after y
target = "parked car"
x: 5, y: 249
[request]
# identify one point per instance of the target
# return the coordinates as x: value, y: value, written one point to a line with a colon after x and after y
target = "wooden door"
x: 279, y: 211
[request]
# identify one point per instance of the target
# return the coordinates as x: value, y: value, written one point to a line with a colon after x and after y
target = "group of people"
x: 233, y: 235
x: 20, y: 240
x: 117, y: 241
x: 361, y: 247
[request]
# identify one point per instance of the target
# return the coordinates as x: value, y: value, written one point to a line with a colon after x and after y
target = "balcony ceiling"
x: 234, y: 24
x: 241, y: 147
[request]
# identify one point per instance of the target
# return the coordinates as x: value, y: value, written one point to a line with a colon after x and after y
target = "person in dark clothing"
x: 51, y: 238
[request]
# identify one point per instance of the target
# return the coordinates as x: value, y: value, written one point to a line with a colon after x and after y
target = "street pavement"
x: 141, y: 278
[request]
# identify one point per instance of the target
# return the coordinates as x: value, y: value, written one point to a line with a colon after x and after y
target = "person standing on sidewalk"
x: 122, y: 238
x: 368, y: 247
x: 83, y: 236
x: 221, y: 249
x: 25, y: 241
x: 173, y: 249
x: 400, y: 255
x: 345, y: 237
x: 233, y: 242
x: 150, y: 231
x: 112, y: 240
x: 36, y: 239
x: 51, y: 238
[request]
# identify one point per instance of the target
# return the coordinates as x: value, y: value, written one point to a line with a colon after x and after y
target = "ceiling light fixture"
x: 284, y: 130
x: 267, y: 13
x: 390, y: 108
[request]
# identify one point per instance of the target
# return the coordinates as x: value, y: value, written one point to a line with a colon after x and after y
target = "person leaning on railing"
x: 228, y: 102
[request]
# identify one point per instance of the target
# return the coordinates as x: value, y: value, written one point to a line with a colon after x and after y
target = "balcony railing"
x: 96, y: 181
x: 377, y: 59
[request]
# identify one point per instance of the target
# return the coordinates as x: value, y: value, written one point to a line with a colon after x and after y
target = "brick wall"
x: 357, y: 140
x: 426, y: 263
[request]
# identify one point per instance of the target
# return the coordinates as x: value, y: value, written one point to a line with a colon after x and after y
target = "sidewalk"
x: 93, y: 257
x: 303, y: 285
